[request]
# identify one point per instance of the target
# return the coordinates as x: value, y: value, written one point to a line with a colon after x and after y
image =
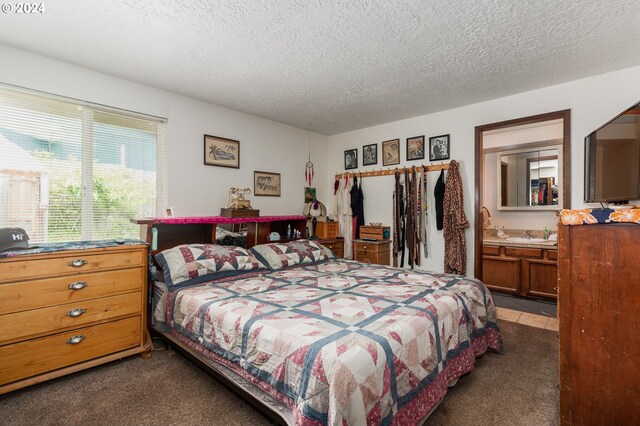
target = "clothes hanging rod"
x: 387, y: 172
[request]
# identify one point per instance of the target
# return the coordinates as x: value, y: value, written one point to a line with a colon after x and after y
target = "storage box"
x: 327, y: 229
x: 376, y: 232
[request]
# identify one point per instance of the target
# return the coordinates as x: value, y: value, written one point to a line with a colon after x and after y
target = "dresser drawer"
x: 73, y: 263
x: 46, y: 320
x: 491, y: 250
x: 32, y: 357
x: 336, y: 247
x: 523, y: 252
x: 16, y: 297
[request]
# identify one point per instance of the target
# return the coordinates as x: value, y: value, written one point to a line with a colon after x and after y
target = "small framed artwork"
x: 439, y: 148
x: 415, y: 148
x: 221, y: 152
x: 266, y: 184
x: 370, y: 154
x: 351, y: 159
x: 391, y: 152
x: 168, y: 212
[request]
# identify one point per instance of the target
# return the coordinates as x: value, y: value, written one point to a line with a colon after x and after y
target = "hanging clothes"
x: 417, y: 199
x: 357, y: 206
x: 360, y: 208
x: 354, y: 207
x: 344, y: 214
x: 455, y: 222
x: 396, y: 217
x: 403, y: 223
x: 410, y: 217
x: 438, y: 193
x: 424, y: 208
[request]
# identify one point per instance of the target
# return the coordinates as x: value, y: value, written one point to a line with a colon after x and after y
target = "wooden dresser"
x: 598, y: 304
x: 67, y: 310
x: 378, y: 252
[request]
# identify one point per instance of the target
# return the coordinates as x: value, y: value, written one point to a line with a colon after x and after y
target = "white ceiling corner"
x: 339, y: 65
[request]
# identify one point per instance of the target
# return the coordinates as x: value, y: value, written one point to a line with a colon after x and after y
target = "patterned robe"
x: 455, y: 222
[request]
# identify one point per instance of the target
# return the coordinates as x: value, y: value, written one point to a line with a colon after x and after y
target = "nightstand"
x: 333, y: 244
x: 378, y: 252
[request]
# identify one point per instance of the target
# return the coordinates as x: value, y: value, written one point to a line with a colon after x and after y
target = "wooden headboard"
x: 164, y: 233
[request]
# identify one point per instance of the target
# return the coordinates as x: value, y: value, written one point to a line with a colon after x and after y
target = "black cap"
x: 13, y: 238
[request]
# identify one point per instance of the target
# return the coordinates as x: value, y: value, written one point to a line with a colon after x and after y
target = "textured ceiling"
x: 339, y: 65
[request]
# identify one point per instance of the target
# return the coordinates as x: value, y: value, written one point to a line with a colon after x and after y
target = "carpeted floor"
x: 538, y: 307
x: 517, y: 388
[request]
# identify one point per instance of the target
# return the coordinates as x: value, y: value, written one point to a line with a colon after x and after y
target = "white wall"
x: 193, y: 188
x: 593, y: 101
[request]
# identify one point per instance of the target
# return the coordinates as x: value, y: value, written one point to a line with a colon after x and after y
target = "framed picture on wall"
x: 351, y: 159
x: 370, y: 154
x: 266, y: 184
x: 439, y: 148
x: 221, y: 152
x: 415, y: 148
x: 391, y: 152
x: 309, y: 194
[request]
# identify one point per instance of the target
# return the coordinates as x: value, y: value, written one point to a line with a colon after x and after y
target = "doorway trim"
x: 565, y: 115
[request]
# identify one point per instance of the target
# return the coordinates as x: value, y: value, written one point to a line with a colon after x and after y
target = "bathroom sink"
x: 528, y: 240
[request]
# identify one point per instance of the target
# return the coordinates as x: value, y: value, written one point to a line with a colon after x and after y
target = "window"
x: 71, y: 171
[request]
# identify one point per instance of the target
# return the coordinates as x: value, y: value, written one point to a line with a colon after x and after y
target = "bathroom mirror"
x: 530, y: 178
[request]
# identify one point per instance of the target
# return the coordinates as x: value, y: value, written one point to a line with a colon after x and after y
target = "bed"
x: 311, y: 339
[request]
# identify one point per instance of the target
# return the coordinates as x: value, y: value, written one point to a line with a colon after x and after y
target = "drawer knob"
x: 76, y: 339
x: 76, y: 312
x: 78, y: 285
x: 555, y: 289
x: 77, y: 263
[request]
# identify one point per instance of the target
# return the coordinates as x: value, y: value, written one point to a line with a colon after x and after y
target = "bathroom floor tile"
x: 508, y: 314
x: 533, y: 320
x: 553, y: 324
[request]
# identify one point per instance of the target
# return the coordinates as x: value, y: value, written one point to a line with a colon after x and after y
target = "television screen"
x: 612, y: 160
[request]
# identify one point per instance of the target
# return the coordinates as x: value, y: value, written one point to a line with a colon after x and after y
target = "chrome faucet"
x: 527, y: 234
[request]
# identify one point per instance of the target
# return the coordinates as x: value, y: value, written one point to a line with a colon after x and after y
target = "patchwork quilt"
x: 342, y: 342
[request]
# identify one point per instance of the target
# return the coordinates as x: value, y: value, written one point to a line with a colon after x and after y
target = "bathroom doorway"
x: 522, y: 181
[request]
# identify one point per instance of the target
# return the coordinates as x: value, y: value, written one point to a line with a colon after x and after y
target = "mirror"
x: 529, y: 179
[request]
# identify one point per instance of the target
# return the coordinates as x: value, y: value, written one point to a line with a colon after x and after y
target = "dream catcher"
x: 308, y: 170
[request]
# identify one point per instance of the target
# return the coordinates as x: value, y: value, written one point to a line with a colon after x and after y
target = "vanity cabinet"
x: 521, y: 271
x: 502, y: 273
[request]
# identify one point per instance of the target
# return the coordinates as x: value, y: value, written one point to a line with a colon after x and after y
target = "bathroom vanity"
x: 521, y: 266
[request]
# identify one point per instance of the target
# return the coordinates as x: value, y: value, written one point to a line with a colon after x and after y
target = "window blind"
x: 71, y: 170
